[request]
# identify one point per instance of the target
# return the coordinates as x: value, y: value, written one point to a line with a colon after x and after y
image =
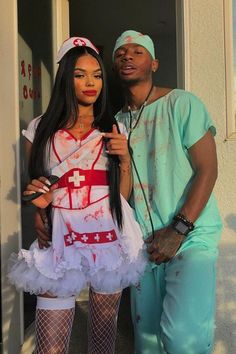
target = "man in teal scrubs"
x: 174, y: 163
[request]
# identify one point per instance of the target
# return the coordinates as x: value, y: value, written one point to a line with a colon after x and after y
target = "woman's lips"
x: 90, y: 93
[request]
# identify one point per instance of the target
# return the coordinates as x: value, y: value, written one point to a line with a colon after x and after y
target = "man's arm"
x: 40, y: 220
x: 204, y: 162
x: 42, y: 231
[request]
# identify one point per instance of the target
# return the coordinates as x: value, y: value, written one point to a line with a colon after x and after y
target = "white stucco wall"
x: 206, y: 78
x: 9, y: 177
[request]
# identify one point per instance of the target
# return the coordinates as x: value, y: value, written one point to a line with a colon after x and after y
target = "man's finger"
x: 42, y: 235
x: 152, y: 247
x: 148, y: 240
x: 157, y: 258
x: 43, y: 244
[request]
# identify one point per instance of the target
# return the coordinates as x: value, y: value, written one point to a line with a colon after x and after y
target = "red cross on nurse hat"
x: 73, y: 42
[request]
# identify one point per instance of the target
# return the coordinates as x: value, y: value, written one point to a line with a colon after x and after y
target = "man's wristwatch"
x: 182, y: 225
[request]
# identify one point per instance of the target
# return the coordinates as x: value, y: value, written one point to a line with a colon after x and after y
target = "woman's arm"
x: 117, y: 145
x: 126, y: 180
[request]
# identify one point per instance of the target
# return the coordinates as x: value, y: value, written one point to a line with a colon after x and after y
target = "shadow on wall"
x: 231, y: 221
x: 225, y: 339
x: 10, y: 244
x: 10, y: 300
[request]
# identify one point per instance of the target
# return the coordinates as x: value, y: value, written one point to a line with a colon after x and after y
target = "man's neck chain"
x: 139, y: 112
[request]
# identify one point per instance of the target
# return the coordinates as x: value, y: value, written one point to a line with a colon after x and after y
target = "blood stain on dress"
x: 58, y: 199
x: 95, y: 215
x: 84, y: 198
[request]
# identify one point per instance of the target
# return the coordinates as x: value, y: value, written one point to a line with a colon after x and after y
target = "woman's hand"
x: 118, y: 145
x: 43, y: 186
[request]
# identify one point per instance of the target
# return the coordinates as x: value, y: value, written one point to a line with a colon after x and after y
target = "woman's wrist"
x: 125, y: 166
x: 125, y: 161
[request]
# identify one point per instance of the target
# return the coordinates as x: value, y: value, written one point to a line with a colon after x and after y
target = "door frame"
x: 182, y: 43
x: 12, y: 310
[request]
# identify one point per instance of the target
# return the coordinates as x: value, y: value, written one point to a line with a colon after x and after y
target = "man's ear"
x: 155, y: 65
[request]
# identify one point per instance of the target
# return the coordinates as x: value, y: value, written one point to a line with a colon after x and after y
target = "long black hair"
x: 62, y: 111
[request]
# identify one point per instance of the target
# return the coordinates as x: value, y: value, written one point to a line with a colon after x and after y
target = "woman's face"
x: 87, y: 80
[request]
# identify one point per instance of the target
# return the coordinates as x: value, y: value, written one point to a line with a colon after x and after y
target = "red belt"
x: 78, y: 178
x: 90, y: 237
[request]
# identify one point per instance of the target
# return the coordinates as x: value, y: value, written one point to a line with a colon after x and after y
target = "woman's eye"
x: 78, y: 76
x: 98, y: 76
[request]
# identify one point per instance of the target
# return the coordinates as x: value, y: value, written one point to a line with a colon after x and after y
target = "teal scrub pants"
x: 173, y: 307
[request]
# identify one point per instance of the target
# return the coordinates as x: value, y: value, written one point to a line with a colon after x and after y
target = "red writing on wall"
x: 30, y: 72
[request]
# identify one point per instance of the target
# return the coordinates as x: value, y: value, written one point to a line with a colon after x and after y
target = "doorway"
x: 103, y: 23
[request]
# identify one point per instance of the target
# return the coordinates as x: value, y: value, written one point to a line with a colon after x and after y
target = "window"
x: 234, y: 61
x: 230, y: 59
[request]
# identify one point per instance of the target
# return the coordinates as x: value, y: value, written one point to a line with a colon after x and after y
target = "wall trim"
x: 61, y: 26
x: 182, y: 41
x: 229, y: 71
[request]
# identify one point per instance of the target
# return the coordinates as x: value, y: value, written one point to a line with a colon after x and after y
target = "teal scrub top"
x: 168, y: 127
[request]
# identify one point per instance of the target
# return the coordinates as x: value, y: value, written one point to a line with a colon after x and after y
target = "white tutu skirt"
x: 65, y: 271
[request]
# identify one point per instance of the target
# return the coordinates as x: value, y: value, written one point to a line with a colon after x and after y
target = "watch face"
x: 181, y: 227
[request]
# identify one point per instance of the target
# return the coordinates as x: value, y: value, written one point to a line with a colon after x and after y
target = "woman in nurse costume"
x: 96, y: 242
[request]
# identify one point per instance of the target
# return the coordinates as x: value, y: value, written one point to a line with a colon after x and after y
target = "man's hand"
x: 164, y: 246
x: 42, y: 231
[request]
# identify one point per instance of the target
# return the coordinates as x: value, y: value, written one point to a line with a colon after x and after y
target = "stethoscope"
x: 131, y: 129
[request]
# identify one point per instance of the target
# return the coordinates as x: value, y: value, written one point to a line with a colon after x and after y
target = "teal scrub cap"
x: 131, y: 36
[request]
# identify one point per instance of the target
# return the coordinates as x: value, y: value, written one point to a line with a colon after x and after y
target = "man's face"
x: 133, y: 63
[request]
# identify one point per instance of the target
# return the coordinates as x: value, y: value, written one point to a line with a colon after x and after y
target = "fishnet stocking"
x: 102, y: 322
x: 53, y: 330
